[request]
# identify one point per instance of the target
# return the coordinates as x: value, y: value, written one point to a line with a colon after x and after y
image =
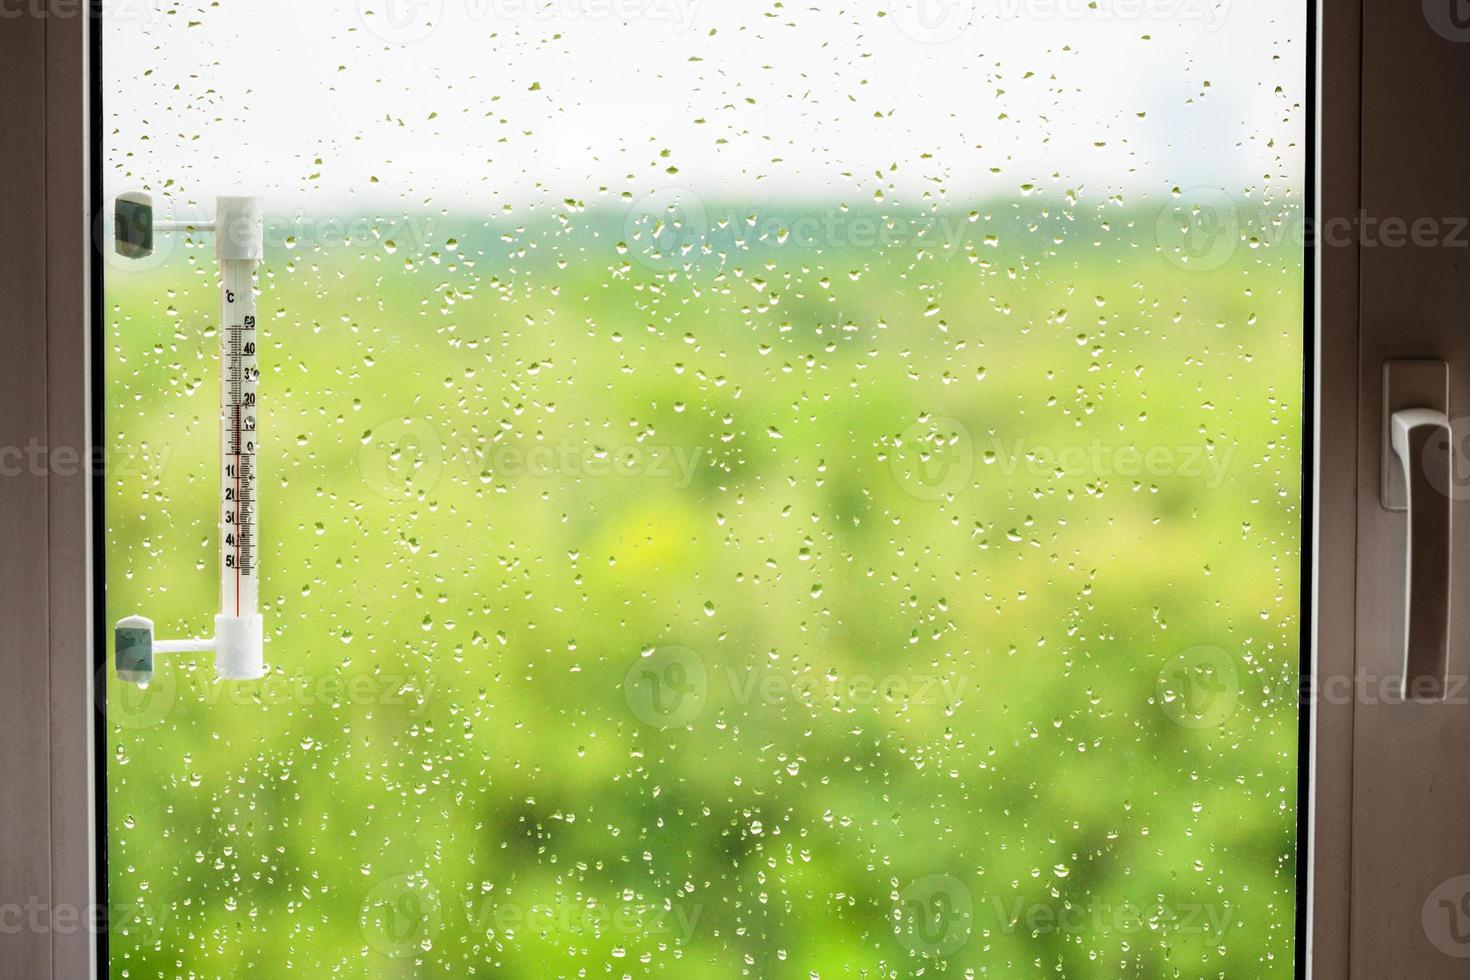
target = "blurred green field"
x: 774, y: 610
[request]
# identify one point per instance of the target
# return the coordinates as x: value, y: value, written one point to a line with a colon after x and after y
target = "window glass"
x: 744, y: 489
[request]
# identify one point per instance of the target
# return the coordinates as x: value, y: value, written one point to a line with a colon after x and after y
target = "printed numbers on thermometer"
x: 242, y: 375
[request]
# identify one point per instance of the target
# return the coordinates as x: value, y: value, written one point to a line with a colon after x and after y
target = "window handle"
x: 1421, y: 439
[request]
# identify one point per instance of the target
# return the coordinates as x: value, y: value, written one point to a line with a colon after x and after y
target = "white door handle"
x: 1420, y: 440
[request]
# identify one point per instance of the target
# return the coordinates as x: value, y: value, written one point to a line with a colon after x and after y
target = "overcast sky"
x: 486, y: 104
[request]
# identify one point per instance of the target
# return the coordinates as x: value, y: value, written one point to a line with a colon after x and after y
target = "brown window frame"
x: 47, y: 856
x: 52, y: 801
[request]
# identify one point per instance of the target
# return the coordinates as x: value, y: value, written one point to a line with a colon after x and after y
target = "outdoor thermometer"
x: 238, y: 641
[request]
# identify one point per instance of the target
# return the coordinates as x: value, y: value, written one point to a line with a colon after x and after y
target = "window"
x: 743, y: 490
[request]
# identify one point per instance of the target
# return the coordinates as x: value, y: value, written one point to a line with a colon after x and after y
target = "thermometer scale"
x: 239, y: 382
x: 238, y: 641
